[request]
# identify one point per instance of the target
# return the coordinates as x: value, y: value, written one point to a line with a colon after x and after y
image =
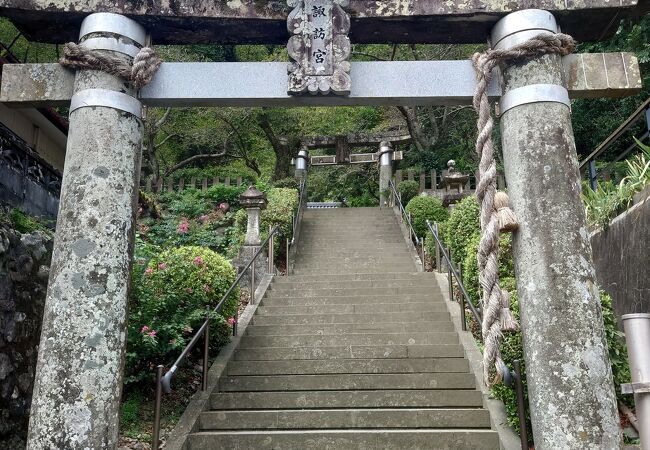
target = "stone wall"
x: 24, y: 267
x: 622, y: 258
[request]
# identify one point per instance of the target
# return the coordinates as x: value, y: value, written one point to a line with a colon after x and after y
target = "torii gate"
x: 79, y: 372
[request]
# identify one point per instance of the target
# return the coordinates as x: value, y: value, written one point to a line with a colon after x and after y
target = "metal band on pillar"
x: 385, y: 153
x: 107, y: 98
x: 534, y: 93
x: 516, y: 28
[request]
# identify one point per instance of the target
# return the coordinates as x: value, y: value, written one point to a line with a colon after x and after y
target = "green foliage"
x: 356, y: 185
x: 407, y: 190
x: 616, y: 347
x: 461, y: 226
x: 171, y: 296
x: 130, y: 412
x: 512, y: 346
x: 24, y: 223
x: 281, y: 207
x: 423, y: 208
x: 609, y: 200
x: 290, y: 183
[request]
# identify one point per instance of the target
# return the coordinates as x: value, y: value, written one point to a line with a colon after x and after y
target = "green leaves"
x: 423, y: 208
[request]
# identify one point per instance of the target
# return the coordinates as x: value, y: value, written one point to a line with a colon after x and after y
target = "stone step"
x: 353, y: 300
x: 382, y: 283
x: 427, y: 398
x: 269, y: 309
x: 306, y: 340
x: 343, y: 271
x: 346, y: 328
x: 322, y: 419
x: 306, y: 367
x: 328, y: 382
x: 395, y: 351
x: 357, y: 263
x: 317, y: 241
x: 307, y: 291
x: 389, y: 275
x: 304, y: 319
x: 353, y: 253
x: 440, y: 439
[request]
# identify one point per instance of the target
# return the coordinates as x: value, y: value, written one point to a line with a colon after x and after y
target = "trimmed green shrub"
x: 470, y: 264
x: 172, y: 293
x: 461, y: 226
x: 282, y: 205
x: 407, y: 190
x: 423, y: 208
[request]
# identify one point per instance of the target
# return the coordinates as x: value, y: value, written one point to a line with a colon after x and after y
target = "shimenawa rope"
x: 145, y: 63
x: 496, y: 216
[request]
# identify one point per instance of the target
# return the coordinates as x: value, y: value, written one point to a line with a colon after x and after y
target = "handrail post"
x: 438, y: 267
x: 252, y: 288
x: 521, y: 412
x: 463, y: 320
x: 206, y: 354
x: 155, y: 435
x: 286, y: 270
x: 236, y: 319
x: 424, y: 265
x: 450, y: 275
x: 271, y: 248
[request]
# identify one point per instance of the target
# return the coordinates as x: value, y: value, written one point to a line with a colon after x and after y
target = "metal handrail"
x: 163, y: 381
x: 296, y: 222
x: 477, y: 315
x: 512, y: 379
x: 405, y: 216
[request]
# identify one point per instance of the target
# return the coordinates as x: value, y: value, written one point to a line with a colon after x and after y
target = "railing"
x: 642, y: 113
x: 163, y: 380
x: 453, y: 272
x: 297, y: 220
x: 406, y: 218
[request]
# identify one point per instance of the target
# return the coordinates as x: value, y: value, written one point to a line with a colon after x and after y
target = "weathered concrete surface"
x: 622, y: 259
x: 256, y: 84
x: 79, y: 372
x: 264, y: 21
x: 24, y: 266
x: 570, y: 388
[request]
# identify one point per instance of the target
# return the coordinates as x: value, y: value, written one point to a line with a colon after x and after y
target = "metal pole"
x: 450, y: 278
x: 521, y: 405
x: 592, y: 175
x: 81, y: 356
x: 286, y: 273
x: 252, y: 269
x: 424, y: 268
x: 438, y: 267
x: 552, y: 251
x: 637, y: 337
x: 271, y: 250
x: 155, y: 436
x: 463, y: 321
x: 206, y: 354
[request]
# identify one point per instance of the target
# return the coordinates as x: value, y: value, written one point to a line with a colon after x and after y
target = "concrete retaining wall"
x: 622, y: 258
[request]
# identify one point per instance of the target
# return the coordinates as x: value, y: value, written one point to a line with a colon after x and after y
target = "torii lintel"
x: 264, y: 22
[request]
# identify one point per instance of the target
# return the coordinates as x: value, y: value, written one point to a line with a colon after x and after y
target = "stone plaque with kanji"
x: 319, y: 47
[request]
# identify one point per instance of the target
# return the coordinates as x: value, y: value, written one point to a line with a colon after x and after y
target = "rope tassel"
x: 506, y: 318
x: 506, y: 216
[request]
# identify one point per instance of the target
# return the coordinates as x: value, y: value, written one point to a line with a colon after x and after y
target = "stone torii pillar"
x: 571, y: 394
x: 76, y: 400
x: 385, y: 171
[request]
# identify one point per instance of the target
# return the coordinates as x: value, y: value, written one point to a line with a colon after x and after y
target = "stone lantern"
x: 302, y: 163
x: 453, y: 182
x: 253, y: 201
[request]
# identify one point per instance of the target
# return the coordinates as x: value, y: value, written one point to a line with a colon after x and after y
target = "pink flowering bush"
x: 170, y: 300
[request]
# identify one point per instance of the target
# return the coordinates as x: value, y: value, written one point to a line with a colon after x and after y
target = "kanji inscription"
x: 319, y: 47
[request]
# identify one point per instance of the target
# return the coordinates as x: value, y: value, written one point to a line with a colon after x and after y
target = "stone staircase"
x: 354, y: 351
